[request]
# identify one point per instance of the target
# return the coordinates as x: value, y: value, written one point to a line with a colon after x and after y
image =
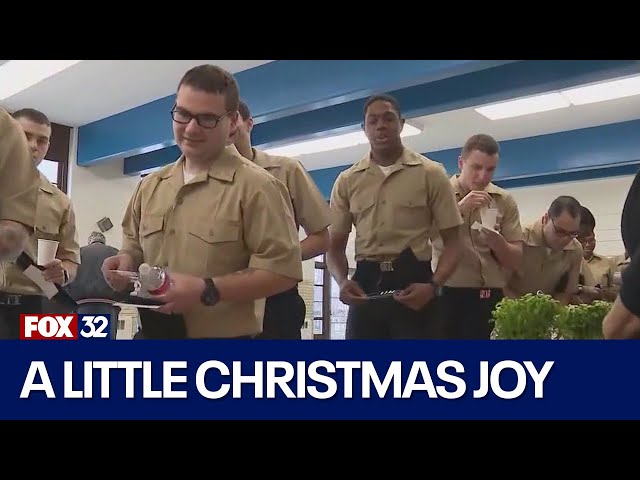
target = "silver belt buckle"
x: 13, y: 300
x: 386, y: 266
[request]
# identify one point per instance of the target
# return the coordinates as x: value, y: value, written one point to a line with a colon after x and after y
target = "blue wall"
x: 294, y: 99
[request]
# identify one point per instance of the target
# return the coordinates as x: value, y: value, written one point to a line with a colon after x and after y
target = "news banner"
x: 68, y: 367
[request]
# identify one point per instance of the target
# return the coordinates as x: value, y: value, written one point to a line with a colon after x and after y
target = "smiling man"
x: 222, y: 226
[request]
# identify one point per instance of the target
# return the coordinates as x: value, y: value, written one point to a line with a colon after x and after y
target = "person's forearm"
x: 338, y: 265
x: 315, y: 244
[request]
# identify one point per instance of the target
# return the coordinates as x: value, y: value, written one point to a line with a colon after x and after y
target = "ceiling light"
x: 524, y: 106
x: 334, y: 142
x: 624, y: 87
x: 18, y: 75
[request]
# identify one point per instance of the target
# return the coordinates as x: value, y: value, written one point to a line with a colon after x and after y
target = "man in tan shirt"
x: 597, y: 272
x: 18, y: 189
x: 284, y: 314
x: 55, y: 220
x: 222, y: 226
x: 397, y: 200
x: 552, y: 255
x: 471, y: 293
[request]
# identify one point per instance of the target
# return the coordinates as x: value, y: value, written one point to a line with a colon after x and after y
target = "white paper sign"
x: 36, y: 275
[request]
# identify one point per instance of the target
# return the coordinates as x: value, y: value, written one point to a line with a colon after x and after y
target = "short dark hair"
x: 565, y: 203
x: 32, y: 114
x: 383, y: 97
x: 481, y: 142
x: 213, y: 79
x: 587, y: 220
x: 243, y: 110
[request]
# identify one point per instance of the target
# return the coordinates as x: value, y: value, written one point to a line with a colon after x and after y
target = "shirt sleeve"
x: 270, y: 231
x: 18, y: 174
x: 630, y: 290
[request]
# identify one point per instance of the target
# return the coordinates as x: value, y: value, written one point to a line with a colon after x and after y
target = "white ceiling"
x: 450, y: 129
x: 95, y: 89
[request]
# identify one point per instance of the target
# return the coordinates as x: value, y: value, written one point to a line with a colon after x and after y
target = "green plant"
x: 530, y: 317
x: 582, y: 322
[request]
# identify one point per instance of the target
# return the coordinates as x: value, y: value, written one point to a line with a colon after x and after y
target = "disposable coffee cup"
x: 47, y: 250
x: 489, y: 217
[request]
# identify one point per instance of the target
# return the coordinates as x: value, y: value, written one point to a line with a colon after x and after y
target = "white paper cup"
x: 489, y: 217
x: 47, y: 250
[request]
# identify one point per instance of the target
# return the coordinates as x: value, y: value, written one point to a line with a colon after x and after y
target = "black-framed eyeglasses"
x: 562, y: 232
x: 205, y: 120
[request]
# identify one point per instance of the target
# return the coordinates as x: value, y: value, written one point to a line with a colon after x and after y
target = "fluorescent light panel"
x: 599, y: 92
x: 18, y: 75
x: 334, y: 142
x: 524, y: 106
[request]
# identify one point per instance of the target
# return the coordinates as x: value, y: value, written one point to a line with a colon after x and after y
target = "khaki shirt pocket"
x: 151, y: 237
x: 47, y: 226
x: 217, y: 245
x: 411, y: 213
x: 361, y: 208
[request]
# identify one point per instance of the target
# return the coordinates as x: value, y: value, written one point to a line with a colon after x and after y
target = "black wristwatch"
x: 437, y: 288
x: 210, y: 295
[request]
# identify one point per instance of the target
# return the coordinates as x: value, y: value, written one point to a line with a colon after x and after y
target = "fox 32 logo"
x: 50, y: 326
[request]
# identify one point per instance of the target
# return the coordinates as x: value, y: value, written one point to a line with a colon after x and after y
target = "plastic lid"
x: 144, y: 268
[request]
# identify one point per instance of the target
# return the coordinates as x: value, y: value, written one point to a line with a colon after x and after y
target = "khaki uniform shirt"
x: 310, y: 209
x: 407, y: 208
x: 18, y: 177
x: 478, y: 268
x: 542, y: 270
x: 233, y: 217
x: 55, y: 220
x: 18, y: 174
x: 621, y: 263
x: 598, y: 270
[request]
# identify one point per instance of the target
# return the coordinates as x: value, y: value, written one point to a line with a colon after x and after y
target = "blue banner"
x: 229, y: 379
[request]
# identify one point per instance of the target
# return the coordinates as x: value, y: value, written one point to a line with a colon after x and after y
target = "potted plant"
x: 582, y: 322
x: 530, y: 317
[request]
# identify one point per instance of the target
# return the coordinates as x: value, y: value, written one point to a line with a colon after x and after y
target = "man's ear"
x: 545, y: 218
x: 249, y: 124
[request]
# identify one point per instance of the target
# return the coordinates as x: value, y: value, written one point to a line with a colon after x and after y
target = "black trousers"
x: 10, y: 314
x: 283, y: 316
x: 387, y: 318
x: 467, y: 312
x: 159, y: 326
x: 101, y: 308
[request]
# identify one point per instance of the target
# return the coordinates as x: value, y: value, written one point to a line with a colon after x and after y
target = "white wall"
x: 604, y: 197
x: 99, y: 191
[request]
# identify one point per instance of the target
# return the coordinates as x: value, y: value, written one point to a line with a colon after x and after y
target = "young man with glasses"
x: 222, y: 226
x: 552, y: 255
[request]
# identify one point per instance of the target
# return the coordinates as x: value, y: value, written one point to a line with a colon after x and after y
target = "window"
x: 318, y: 297
x: 329, y: 313
x: 49, y: 169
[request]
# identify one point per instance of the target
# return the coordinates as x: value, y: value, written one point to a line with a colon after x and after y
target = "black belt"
x: 292, y: 292
x: 10, y: 299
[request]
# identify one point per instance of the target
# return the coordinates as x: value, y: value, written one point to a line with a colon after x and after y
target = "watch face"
x: 210, y: 295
